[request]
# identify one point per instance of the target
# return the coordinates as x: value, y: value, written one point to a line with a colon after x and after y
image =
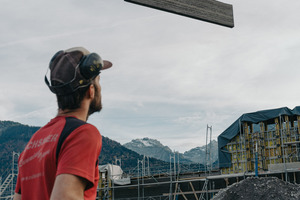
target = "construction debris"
x: 264, y: 188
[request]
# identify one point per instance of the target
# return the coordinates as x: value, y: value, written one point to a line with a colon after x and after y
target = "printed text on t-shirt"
x: 40, y: 142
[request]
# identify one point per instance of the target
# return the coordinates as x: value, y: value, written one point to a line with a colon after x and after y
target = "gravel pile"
x: 264, y: 188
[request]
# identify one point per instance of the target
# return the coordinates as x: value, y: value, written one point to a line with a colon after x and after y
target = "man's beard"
x: 96, y: 104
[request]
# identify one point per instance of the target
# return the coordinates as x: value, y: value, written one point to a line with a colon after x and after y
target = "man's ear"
x: 91, y: 91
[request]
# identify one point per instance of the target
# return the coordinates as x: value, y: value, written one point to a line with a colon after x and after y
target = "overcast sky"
x: 172, y: 75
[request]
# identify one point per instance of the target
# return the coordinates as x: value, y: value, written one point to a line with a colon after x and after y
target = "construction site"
x: 259, y: 144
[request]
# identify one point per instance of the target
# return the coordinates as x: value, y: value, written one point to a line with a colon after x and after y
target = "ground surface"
x: 267, y: 188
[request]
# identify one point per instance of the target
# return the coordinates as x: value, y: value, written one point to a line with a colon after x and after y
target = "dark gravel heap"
x: 265, y: 188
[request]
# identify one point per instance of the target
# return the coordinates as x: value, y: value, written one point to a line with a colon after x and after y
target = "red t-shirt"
x: 40, y: 162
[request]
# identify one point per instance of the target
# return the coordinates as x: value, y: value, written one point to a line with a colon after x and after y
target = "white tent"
x: 115, y: 173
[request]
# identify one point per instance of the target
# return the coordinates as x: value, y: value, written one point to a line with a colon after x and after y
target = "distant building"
x: 273, y: 134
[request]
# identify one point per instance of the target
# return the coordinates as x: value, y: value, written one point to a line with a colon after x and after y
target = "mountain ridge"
x: 153, y: 148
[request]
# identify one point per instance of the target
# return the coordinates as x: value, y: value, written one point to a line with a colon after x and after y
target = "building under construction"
x: 266, y: 141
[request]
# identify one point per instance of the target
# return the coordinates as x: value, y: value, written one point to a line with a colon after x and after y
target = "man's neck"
x: 78, y: 113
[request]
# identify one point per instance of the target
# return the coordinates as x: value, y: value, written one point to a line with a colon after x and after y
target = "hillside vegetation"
x: 14, y: 137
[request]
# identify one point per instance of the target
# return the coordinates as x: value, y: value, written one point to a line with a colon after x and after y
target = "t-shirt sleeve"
x: 18, y: 186
x: 79, y: 153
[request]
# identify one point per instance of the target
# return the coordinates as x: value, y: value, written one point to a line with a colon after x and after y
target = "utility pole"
x: 256, y: 160
x: 208, y: 162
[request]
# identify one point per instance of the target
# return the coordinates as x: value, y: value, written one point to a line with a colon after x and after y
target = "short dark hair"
x: 71, y: 101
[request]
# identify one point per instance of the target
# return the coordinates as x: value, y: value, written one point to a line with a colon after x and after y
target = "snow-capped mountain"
x: 153, y: 148
x: 198, y: 154
x: 150, y: 147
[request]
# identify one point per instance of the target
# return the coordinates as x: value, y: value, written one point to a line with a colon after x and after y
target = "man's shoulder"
x: 75, y: 125
x: 78, y: 130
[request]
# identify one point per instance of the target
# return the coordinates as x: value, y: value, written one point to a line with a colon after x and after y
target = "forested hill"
x: 14, y: 137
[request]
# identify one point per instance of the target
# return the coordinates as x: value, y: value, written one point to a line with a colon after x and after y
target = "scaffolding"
x: 178, y: 181
x: 9, y: 179
x: 174, y: 184
x: 276, y: 142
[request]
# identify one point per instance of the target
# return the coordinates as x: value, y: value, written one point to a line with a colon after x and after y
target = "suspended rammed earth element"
x: 206, y: 10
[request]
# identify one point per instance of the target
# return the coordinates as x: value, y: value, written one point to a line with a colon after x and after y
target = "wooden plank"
x: 183, y: 194
x: 206, y: 10
x: 176, y: 188
x: 191, y: 184
x: 190, y: 192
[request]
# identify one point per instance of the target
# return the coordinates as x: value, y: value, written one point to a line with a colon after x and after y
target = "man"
x: 61, y: 159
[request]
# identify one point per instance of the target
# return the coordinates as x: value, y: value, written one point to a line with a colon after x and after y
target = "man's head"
x: 72, y: 72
